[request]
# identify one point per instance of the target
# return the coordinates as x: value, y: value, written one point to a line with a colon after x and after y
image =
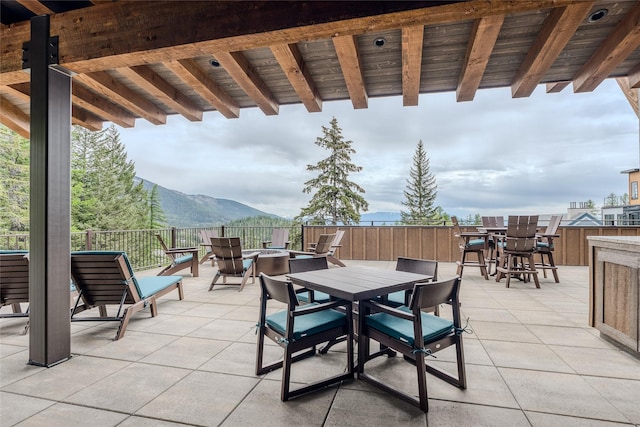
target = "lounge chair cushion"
x: 433, y: 327
x: 544, y: 245
x: 183, y: 259
x: 13, y: 251
x: 308, y: 324
x: 151, y: 285
x: 317, y: 296
x: 246, y: 263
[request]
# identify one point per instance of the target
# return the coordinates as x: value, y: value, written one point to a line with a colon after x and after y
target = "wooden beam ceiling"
x: 290, y: 59
x: 349, y: 58
x: 412, y: 45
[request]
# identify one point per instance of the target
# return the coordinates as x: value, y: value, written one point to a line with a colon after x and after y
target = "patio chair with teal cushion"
x: 415, y: 334
x: 545, y: 246
x: 413, y: 265
x: 471, y: 243
x: 298, y: 330
x: 231, y: 262
x: 14, y: 283
x: 299, y: 265
x: 181, y: 258
x: 105, y: 278
x: 279, y: 239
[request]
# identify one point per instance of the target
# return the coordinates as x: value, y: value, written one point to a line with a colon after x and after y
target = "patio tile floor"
x: 531, y: 361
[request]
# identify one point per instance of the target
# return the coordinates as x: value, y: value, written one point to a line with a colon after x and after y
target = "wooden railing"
x: 439, y: 243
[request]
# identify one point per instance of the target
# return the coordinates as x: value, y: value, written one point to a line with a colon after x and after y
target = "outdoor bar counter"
x: 614, y: 266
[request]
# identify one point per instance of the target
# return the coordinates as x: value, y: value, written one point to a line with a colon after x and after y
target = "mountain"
x: 188, y: 210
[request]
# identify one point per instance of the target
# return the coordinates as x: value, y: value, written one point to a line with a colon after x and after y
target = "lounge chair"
x: 181, y: 258
x: 335, y: 245
x: 14, y: 283
x: 106, y: 278
x: 324, y: 247
x: 206, y: 236
x: 231, y: 262
x: 279, y: 239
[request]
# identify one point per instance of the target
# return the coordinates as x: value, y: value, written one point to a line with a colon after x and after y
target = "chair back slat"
x: 426, y: 295
x: 228, y: 253
x: 14, y: 278
x: 278, y: 290
x: 419, y: 266
x: 279, y: 237
x: 300, y: 265
x: 102, y: 278
x: 165, y: 248
x: 206, y: 235
x: 521, y: 233
x: 324, y: 243
x: 554, y: 223
x: 457, y: 231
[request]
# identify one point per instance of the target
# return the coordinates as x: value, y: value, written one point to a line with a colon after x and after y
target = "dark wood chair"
x: 231, y: 262
x: 415, y: 334
x: 205, y: 241
x: 298, y: 330
x: 471, y: 243
x: 413, y: 265
x: 299, y: 265
x: 544, y: 247
x: 105, y: 278
x: 181, y: 258
x: 517, y: 250
x: 14, y: 283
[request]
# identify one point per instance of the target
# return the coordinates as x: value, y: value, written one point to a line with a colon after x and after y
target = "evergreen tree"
x: 336, y: 198
x: 156, y: 215
x: 420, y: 193
x: 14, y: 181
x: 107, y: 198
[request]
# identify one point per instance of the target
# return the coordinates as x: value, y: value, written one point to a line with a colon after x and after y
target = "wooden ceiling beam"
x: 623, y: 40
x: 124, y: 34
x: 101, y: 107
x: 190, y: 73
x: 105, y: 85
x: 557, y: 87
x: 481, y: 43
x: 290, y: 59
x: 349, y: 58
x: 557, y: 29
x: 240, y: 70
x: 634, y: 77
x: 36, y: 7
x: 13, y: 117
x: 84, y: 118
x: 630, y: 93
x: 147, y: 79
x: 412, y: 43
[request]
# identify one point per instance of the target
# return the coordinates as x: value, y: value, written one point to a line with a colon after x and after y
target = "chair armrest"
x: 381, y: 308
x: 253, y: 255
x: 308, y: 309
x: 180, y: 250
x: 301, y: 253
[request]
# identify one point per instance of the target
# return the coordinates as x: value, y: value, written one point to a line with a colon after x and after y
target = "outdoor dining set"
x: 306, y: 306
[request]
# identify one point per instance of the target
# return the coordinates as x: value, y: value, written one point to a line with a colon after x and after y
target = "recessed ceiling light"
x: 214, y: 63
x: 598, y: 15
x: 379, y: 42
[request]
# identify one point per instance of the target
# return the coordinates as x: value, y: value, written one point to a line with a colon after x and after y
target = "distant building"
x: 631, y: 212
x: 585, y: 219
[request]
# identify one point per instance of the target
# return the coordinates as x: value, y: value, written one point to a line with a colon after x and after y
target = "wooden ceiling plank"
x: 13, y: 117
x: 290, y: 59
x: 630, y: 93
x: 239, y: 68
x: 36, y: 7
x: 623, y: 40
x: 20, y: 90
x: 412, y: 44
x: 98, y: 38
x: 557, y: 87
x: 150, y: 81
x: 557, y: 29
x: 105, y: 85
x: 481, y: 43
x: 101, y: 107
x: 189, y: 71
x: 349, y: 58
x: 634, y: 77
x: 85, y: 119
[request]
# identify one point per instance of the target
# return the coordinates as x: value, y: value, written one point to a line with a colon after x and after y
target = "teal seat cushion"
x: 544, y: 245
x: 475, y: 242
x: 308, y: 324
x: 433, y: 327
x: 151, y: 285
x: 246, y: 264
x: 317, y: 296
x: 304, y: 256
x: 183, y: 259
x: 13, y: 252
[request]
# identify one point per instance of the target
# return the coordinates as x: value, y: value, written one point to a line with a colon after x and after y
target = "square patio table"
x: 358, y: 283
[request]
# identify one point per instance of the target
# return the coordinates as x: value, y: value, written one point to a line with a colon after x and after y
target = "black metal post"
x: 50, y: 198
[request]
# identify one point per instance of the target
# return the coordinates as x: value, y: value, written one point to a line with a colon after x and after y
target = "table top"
x: 357, y: 282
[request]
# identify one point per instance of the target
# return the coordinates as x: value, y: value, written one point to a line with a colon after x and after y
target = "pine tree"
x: 157, y: 218
x: 420, y: 193
x: 14, y: 181
x: 336, y: 198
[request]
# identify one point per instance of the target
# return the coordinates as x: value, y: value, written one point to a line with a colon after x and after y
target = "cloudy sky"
x: 493, y: 156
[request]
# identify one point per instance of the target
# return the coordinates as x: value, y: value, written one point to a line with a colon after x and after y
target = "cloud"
x: 495, y: 155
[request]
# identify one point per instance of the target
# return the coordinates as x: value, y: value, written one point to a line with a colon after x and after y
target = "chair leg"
x: 483, y: 266
x: 213, y: 282
x: 461, y: 264
x: 532, y: 268
x: 245, y: 277
x: 421, y: 369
